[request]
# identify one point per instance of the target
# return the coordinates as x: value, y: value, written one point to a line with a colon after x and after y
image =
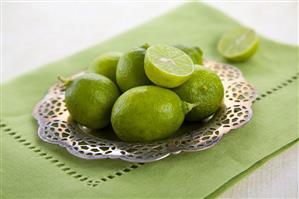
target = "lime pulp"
x: 167, y: 66
x: 238, y: 44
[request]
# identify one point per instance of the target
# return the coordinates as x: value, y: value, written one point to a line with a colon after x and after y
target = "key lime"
x: 130, y: 69
x: 205, y: 89
x: 105, y: 65
x: 238, y: 44
x: 195, y: 53
x: 89, y: 99
x: 167, y: 66
x: 147, y: 113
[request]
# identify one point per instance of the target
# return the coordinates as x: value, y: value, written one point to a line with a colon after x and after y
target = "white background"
x: 35, y: 33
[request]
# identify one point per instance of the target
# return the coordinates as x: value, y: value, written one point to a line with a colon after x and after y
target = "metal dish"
x: 56, y: 127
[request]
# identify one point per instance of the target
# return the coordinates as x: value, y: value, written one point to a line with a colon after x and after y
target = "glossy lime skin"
x: 195, y: 53
x: 89, y: 100
x: 106, y: 65
x: 205, y: 88
x: 130, y: 70
x: 147, y: 113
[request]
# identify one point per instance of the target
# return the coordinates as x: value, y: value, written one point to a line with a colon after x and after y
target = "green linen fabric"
x: 31, y: 168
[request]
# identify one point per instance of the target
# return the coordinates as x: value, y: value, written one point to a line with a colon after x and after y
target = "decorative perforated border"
x: 95, y: 182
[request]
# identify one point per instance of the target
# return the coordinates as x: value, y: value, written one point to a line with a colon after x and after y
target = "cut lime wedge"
x: 238, y: 44
x: 167, y: 66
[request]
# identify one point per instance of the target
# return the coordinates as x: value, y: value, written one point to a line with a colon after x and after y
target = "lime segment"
x: 238, y: 44
x: 167, y: 66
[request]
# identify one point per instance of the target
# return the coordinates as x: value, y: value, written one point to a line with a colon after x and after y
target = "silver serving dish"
x: 56, y: 126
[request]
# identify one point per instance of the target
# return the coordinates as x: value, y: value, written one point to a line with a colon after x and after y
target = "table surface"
x: 36, y: 33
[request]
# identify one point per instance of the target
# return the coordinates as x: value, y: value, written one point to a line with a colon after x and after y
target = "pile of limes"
x: 146, y: 93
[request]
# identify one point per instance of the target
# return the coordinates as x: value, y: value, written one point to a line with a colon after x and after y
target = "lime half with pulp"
x: 167, y: 66
x: 238, y: 44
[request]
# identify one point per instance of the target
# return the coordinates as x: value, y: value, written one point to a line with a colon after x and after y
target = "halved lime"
x: 238, y: 44
x: 167, y: 66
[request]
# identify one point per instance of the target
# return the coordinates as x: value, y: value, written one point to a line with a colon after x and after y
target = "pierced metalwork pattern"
x: 56, y: 126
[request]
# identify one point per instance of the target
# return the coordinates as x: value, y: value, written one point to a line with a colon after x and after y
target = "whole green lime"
x: 89, y: 99
x: 130, y: 69
x: 204, y: 89
x: 106, y: 65
x: 195, y: 53
x: 147, y: 113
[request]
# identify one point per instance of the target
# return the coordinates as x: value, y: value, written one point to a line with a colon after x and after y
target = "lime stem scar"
x: 64, y: 80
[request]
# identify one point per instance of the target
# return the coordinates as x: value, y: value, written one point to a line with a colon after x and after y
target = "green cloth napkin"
x: 31, y: 168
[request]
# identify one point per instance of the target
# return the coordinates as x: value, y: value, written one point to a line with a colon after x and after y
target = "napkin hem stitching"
x: 279, y: 87
x: 62, y: 166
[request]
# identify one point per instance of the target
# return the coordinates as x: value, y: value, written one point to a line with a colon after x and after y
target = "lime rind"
x: 202, y: 94
x: 105, y: 65
x: 89, y: 99
x: 130, y: 70
x: 147, y: 113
